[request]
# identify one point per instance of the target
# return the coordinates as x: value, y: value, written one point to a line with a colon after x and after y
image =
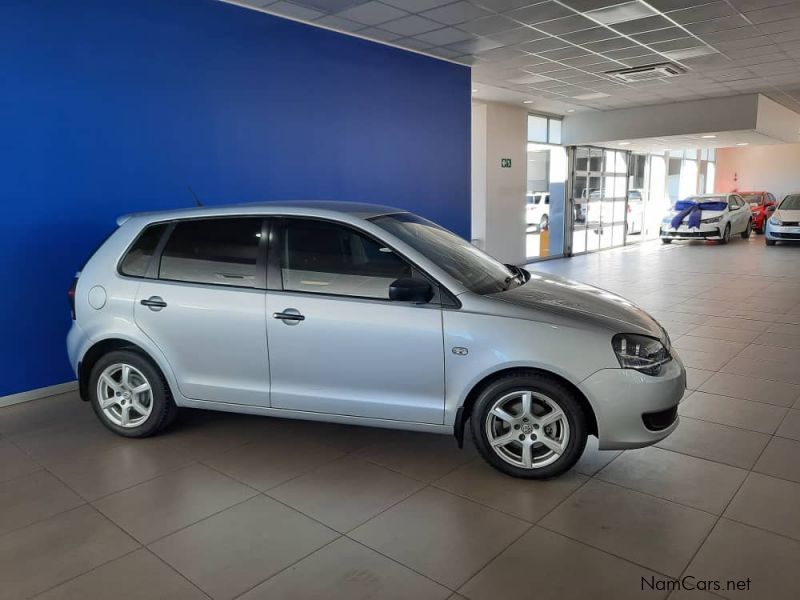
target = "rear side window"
x: 215, y: 251
x: 137, y: 260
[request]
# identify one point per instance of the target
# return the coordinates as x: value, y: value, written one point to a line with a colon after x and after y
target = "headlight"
x: 775, y: 221
x: 640, y: 352
x: 712, y: 220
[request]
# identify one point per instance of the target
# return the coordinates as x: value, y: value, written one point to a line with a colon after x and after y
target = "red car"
x: 758, y: 201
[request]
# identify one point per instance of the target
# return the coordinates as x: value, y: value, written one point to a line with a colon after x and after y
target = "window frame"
x: 153, y: 271
x: 442, y: 297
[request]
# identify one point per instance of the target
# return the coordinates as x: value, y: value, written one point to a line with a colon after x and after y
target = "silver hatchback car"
x: 369, y: 315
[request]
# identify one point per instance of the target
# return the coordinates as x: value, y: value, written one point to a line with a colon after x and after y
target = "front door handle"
x: 290, y: 316
x: 154, y: 303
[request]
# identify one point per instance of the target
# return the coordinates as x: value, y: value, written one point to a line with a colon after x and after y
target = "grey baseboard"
x: 44, y: 392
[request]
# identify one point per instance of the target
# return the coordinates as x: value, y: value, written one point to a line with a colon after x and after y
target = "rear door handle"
x: 154, y: 303
x: 289, y: 314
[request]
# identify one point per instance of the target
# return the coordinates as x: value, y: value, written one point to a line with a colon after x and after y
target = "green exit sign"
x: 505, y: 163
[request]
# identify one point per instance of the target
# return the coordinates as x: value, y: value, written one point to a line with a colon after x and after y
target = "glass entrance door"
x: 598, y: 196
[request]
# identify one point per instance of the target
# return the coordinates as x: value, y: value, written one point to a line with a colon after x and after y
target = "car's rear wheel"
x: 129, y: 394
x: 726, y: 236
x: 746, y: 233
x: 529, y: 426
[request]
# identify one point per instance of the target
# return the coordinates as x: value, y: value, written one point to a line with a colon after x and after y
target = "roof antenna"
x: 196, y: 199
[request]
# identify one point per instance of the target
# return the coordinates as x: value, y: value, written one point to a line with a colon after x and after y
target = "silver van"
x: 368, y: 315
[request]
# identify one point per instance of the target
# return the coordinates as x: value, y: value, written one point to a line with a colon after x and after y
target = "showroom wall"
x: 113, y: 107
x: 774, y: 168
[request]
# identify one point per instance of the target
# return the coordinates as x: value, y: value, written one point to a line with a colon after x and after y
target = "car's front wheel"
x: 129, y: 394
x: 746, y: 233
x: 726, y: 236
x: 769, y: 242
x: 529, y: 426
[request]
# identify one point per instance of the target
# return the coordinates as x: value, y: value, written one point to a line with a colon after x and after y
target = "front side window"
x: 474, y: 269
x: 329, y: 258
x: 214, y: 251
x: 137, y: 260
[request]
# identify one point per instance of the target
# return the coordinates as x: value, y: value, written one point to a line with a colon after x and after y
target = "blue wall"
x: 108, y: 107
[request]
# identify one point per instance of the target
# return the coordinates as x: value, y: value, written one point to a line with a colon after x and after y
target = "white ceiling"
x: 554, y: 53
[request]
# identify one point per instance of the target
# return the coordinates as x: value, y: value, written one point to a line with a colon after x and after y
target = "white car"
x: 708, y: 217
x: 784, y: 223
x: 537, y: 212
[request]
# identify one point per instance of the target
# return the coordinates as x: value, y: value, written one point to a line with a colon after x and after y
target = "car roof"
x: 360, y: 210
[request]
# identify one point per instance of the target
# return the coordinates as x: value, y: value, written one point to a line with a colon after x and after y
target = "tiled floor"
x: 226, y: 506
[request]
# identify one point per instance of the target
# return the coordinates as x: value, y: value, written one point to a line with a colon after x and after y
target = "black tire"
x: 769, y: 242
x: 746, y: 233
x: 163, y: 409
x: 726, y: 236
x: 558, y: 394
x: 666, y: 241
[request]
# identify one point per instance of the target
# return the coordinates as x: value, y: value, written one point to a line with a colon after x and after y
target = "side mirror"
x: 407, y: 289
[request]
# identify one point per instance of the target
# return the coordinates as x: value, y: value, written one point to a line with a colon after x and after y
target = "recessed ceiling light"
x: 475, y: 91
x: 624, y: 143
x: 709, y: 137
x: 621, y: 12
x: 689, y: 52
x: 570, y: 110
x: 527, y: 101
x: 742, y: 144
x: 592, y: 96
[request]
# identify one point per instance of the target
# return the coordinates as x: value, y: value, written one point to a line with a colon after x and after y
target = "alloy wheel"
x: 124, y: 395
x: 527, y: 429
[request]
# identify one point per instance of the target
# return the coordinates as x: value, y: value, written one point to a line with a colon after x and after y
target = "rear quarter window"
x: 136, y: 261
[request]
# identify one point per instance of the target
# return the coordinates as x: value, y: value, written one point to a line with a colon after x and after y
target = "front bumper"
x: 633, y: 409
x: 704, y: 232
x: 782, y: 232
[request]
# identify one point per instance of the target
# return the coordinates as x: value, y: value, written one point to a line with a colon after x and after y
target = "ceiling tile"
x: 620, y: 13
x: 411, y: 25
x: 705, y: 27
x: 680, y: 43
x: 538, y: 13
x: 595, y: 34
x: 505, y: 5
x: 617, y: 43
x: 488, y: 25
x: 632, y: 52
x: 565, y: 25
x: 372, y: 13
x: 774, y: 13
x: 474, y: 46
x: 641, y: 25
x: 458, y: 12
x: 704, y: 12
x: 516, y: 36
x: 659, y: 35
x: 544, y: 45
x: 339, y: 23
x: 287, y: 9
x: 685, y: 53
x: 326, y: 6
x: 589, y: 60
x: 414, y: 43
x: 378, y: 34
x: 444, y: 52
x: 780, y: 26
x: 583, y: 5
x: 416, y: 5
x: 568, y: 52
x: 443, y: 37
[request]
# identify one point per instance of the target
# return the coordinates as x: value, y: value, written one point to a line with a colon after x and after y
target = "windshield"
x: 474, y: 269
x: 791, y: 202
x: 752, y: 198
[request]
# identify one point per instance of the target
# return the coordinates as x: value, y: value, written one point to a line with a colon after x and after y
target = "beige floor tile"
x: 238, y: 548
x: 790, y: 427
x: 768, y: 503
x: 135, y: 576
x: 14, y: 462
x: 255, y: 463
x: 720, y: 348
x: 70, y: 441
x: 526, y: 499
x: 781, y: 340
x: 696, y: 377
x: 99, y: 473
x: 165, y: 504
x: 42, y: 555
x: 740, y: 324
x: 344, y: 438
x: 548, y: 566
x: 781, y: 458
x: 720, y: 443
x: 440, y: 535
x: 27, y: 417
x: 773, y: 354
x: 725, y: 410
x: 33, y: 497
x: 345, y: 569
x: 724, y: 333
x: 594, y: 459
x: 654, y: 533
x: 707, y: 361
x: 736, y: 552
x: 752, y: 388
x: 764, y: 369
x: 423, y: 456
x: 346, y: 493
x: 784, y: 328
x: 685, y: 479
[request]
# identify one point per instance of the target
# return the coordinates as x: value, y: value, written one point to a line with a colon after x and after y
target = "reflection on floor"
x: 227, y: 506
